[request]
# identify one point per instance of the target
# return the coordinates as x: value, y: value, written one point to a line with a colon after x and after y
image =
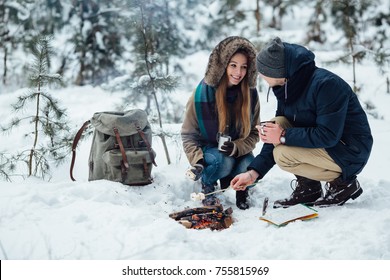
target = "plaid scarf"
x: 206, y: 112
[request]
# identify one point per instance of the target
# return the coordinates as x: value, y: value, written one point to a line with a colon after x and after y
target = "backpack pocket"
x: 139, y: 171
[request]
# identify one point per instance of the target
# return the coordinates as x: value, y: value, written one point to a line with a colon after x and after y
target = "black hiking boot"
x: 306, y: 191
x: 210, y: 200
x: 225, y: 182
x: 241, y: 197
x: 338, y: 192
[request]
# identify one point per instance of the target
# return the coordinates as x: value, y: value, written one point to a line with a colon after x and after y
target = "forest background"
x: 138, y: 48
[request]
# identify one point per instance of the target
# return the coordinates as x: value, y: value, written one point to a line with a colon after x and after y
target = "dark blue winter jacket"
x: 325, y: 113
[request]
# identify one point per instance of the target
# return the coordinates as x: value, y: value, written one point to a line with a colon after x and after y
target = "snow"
x: 60, y: 219
x: 102, y: 220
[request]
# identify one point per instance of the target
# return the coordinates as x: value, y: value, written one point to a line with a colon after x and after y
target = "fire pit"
x: 212, y: 217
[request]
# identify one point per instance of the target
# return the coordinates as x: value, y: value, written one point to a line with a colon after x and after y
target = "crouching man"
x: 321, y: 132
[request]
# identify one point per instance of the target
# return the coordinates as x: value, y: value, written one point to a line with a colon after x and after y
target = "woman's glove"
x: 195, y: 172
x: 227, y: 148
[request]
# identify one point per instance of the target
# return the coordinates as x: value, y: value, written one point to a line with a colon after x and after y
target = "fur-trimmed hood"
x: 221, y: 55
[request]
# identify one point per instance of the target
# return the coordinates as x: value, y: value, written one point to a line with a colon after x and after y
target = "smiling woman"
x: 237, y: 68
x: 219, y: 130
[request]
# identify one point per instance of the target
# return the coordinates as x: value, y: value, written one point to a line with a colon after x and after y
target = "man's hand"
x: 241, y: 181
x: 195, y: 172
x: 227, y: 148
x: 270, y: 133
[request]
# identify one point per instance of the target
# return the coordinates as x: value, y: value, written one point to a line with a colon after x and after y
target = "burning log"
x: 212, y: 217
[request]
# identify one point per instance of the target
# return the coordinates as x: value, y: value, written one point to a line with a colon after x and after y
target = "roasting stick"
x: 222, y: 190
x: 217, y: 191
x: 201, y: 196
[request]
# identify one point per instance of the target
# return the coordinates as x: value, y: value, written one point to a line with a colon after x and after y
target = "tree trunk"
x: 36, y: 120
x: 258, y: 16
x: 162, y: 136
x: 5, y: 65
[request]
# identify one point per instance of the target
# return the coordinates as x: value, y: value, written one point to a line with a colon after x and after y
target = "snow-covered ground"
x: 61, y: 219
x: 102, y: 220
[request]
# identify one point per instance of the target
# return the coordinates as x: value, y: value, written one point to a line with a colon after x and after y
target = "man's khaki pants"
x: 315, y: 164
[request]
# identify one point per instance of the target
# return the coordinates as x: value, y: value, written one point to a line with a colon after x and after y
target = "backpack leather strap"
x: 74, y: 146
x: 125, y: 163
x: 142, y: 134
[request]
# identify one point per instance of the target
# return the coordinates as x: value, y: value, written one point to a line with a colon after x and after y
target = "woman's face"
x: 236, y: 69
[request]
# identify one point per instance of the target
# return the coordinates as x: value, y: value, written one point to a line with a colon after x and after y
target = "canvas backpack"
x: 121, y: 148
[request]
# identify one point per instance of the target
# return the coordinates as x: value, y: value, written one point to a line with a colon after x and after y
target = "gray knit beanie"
x: 270, y: 60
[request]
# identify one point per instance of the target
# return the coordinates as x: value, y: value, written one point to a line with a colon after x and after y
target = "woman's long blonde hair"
x: 241, y: 107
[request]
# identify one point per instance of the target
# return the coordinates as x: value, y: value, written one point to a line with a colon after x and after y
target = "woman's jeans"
x: 218, y: 165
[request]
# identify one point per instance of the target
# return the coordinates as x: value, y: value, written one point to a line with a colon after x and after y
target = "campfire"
x: 212, y: 217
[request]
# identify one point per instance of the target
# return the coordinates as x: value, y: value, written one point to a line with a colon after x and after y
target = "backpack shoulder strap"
x: 125, y: 164
x: 142, y: 134
x: 74, y: 145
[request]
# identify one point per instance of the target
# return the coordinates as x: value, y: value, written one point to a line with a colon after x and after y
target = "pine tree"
x: 50, y: 130
x: 48, y: 16
x: 97, y: 40
x: 349, y: 16
x: 154, y: 44
x: 316, y: 33
x: 169, y: 28
x: 279, y: 9
x: 353, y: 18
x: 13, y: 14
x: 224, y: 19
x: 6, y: 166
x: 381, y: 23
